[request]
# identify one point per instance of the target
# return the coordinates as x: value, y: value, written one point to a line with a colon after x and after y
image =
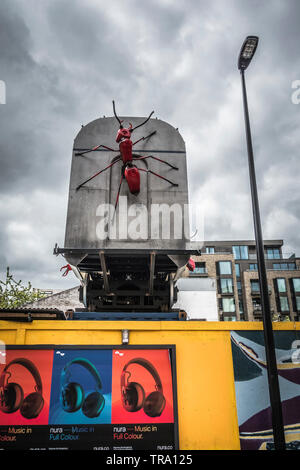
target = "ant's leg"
x: 96, y: 174
x: 144, y: 138
x: 80, y: 154
x: 141, y: 157
x: 159, y: 176
x: 118, y: 194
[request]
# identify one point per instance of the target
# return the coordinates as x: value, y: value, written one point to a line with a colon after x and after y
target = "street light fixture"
x: 246, y: 54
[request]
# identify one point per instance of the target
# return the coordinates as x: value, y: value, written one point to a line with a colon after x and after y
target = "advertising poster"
x: 142, y: 397
x: 84, y: 398
x: 81, y: 387
x: 26, y: 378
x: 252, y: 392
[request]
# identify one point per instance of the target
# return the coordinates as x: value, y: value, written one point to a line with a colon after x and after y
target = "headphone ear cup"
x: 134, y: 397
x: 32, y: 405
x: 93, y: 405
x: 72, y: 397
x: 11, y: 398
x: 154, y: 404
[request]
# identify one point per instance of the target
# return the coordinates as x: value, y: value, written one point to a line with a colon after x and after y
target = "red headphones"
x: 133, y: 394
x: 12, y: 395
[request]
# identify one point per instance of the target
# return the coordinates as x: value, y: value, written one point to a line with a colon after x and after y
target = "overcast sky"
x: 64, y: 61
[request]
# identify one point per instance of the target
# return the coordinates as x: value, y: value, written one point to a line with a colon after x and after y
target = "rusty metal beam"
x: 104, y: 271
x: 152, y: 267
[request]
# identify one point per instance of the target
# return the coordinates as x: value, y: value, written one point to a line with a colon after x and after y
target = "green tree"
x: 13, y: 294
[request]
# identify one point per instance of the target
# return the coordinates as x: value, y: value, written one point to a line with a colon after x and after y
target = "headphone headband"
x: 148, y: 366
x: 87, y: 365
x: 29, y: 366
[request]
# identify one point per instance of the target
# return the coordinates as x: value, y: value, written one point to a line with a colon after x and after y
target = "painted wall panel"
x: 209, y: 410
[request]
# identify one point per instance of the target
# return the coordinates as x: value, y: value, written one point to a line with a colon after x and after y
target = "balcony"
x: 281, y: 256
x: 253, y: 256
x: 199, y: 272
x: 226, y: 293
x: 257, y: 315
x: 257, y: 308
x: 257, y: 312
x: 284, y: 266
x: 216, y: 253
x: 290, y: 256
x: 255, y: 293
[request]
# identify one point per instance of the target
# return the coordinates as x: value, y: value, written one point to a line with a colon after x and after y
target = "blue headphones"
x: 72, y: 394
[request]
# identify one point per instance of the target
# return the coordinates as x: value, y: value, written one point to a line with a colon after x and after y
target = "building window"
x: 256, y: 304
x: 228, y: 305
x: 237, y: 270
x: 199, y: 269
x: 295, y: 288
x: 273, y: 253
x: 255, y: 286
x: 241, y: 306
x: 296, y: 284
x: 239, y: 287
x: 226, y: 286
x: 210, y: 250
x: 253, y: 267
x: 240, y: 252
x: 284, y: 304
x: 224, y: 267
x: 284, y: 266
x: 281, y: 285
x: 229, y: 318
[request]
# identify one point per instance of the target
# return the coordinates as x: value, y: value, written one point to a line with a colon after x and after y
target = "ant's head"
x: 124, y: 133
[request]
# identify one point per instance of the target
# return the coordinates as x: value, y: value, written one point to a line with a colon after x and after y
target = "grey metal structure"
x: 127, y: 259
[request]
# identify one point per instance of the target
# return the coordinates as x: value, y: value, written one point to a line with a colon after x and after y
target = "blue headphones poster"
x: 88, y: 398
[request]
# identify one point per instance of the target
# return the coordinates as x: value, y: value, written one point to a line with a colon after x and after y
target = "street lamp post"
x: 247, y: 52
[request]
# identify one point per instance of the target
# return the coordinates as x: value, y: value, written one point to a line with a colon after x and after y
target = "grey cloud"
x: 63, y: 63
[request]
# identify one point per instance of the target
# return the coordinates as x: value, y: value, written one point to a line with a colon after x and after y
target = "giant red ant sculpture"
x: 129, y: 171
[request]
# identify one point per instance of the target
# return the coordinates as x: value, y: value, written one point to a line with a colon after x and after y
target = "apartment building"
x: 234, y: 266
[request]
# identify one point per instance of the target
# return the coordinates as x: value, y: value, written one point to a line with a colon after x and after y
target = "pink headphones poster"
x: 101, y: 398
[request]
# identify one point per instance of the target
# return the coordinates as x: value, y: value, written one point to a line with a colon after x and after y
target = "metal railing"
x: 199, y: 272
x: 253, y: 256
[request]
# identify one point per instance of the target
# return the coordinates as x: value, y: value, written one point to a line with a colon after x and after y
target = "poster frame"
x: 170, y: 347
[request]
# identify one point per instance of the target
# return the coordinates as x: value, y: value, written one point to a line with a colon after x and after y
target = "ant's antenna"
x: 131, y: 130
x: 120, y: 122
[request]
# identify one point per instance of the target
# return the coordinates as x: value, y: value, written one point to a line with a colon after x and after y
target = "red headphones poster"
x: 19, y: 382
x: 147, y: 380
x: 89, y: 397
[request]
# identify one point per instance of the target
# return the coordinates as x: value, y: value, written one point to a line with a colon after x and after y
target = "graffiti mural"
x: 251, y: 387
